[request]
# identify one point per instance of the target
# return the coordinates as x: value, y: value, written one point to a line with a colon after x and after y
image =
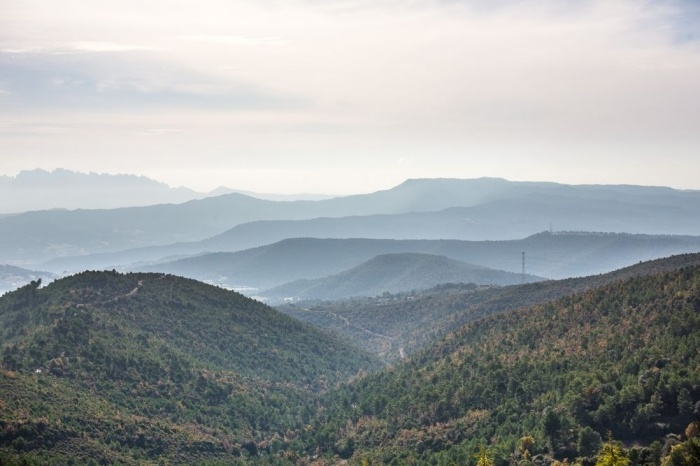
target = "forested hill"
x: 537, y: 384
x: 123, y: 368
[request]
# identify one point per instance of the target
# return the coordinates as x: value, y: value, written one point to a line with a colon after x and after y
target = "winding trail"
x: 132, y: 292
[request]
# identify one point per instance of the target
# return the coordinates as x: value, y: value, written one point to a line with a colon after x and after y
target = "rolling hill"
x: 500, y: 219
x: 122, y: 368
x: 103, y: 367
x: 540, y: 384
x: 392, y: 273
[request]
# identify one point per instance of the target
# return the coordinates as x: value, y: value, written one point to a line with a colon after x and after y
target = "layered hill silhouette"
x: 477, y: 209
x: 550, y: 255
x: 32, y: 190
x: 392, y: 273
x: 396, y: 325
x: 119, y: 368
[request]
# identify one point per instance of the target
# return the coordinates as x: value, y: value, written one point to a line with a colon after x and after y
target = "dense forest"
x: 108, y: 368
x: 124, y: 368
x: 538, y: 385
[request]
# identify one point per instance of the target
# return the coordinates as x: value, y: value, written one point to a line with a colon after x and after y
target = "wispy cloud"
x: 90, y: 46
x: 236, y: 40
x: 75, y: 48
x: 29, y: 128
x: 161, y: 132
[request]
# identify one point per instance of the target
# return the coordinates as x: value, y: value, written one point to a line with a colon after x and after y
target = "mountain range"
x: 38, y: 189
x: 32, y: 190
x: 479, y: 209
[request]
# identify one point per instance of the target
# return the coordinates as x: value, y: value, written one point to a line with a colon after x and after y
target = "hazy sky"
x: 353, y: 96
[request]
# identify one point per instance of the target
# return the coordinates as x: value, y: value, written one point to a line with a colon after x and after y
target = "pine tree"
x: 482, y: 457
x: 612, y: 454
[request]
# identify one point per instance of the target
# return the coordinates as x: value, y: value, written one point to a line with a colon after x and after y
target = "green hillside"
x: 538, y: 384
x: 106, y: 368
x: 123, y: 368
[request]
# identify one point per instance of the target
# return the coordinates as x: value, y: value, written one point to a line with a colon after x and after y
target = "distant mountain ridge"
x: 478, y: 209
x: 12, y: 277
x: 32, y: 190
x: 392, y: 273
x: 550, y: 255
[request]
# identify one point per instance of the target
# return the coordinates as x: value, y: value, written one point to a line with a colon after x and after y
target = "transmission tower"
x: 522, y: 274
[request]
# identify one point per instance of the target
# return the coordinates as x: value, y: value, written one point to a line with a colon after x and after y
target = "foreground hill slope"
x: 392, y: 273
x: 624, y: 358
x: 551, y: 255
x: 143, y: 366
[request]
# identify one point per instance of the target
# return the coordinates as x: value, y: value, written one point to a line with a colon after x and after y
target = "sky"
x: 349, y: 96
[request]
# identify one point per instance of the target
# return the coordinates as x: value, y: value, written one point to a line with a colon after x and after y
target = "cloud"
x: 105, y: 83
x: 24, y: 128
x: 374, y: 81
x: 76, y: 47
x: 161, y: 132
x: 237, y: 40
x: 91, y: 46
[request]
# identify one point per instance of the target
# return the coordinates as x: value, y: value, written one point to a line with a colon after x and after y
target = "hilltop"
x: 119, y: 368
x: 392, y: 273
